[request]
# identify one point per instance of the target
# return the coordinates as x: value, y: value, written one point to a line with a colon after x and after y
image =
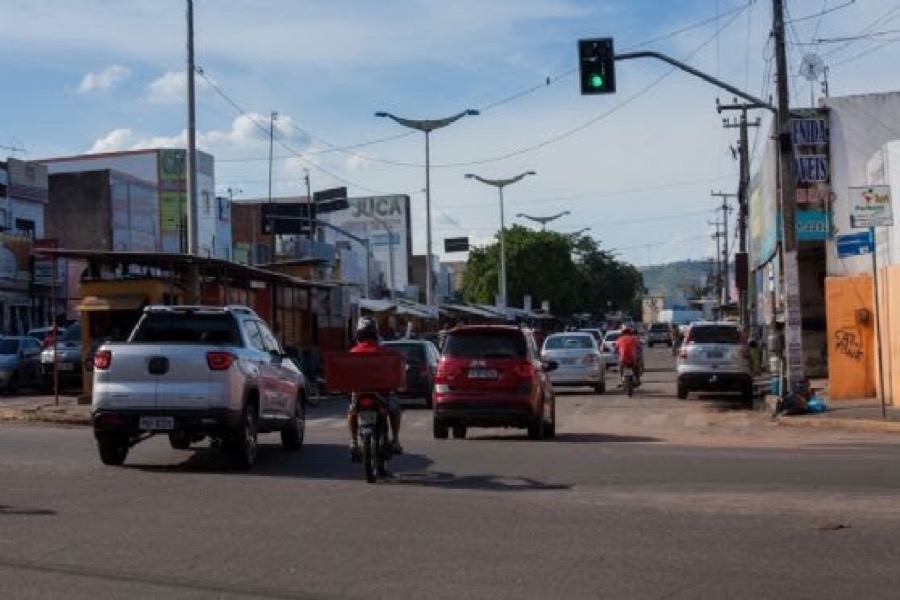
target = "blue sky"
x: 636, y: 167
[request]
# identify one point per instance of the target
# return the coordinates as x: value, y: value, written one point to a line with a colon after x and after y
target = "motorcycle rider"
x: 629, y: 347
x: 367, y: 340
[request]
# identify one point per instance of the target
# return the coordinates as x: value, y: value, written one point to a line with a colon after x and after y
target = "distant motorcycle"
x: 628, y: 380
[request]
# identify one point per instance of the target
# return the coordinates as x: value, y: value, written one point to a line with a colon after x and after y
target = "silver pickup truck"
x: 193, y: 372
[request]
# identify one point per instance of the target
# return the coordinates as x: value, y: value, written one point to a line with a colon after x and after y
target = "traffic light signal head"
x: 597, y: 64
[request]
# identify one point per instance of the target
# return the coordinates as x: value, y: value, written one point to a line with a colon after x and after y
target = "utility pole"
x: 726, y: 297
x: 719, y: 254
x: 272, y: 248
x: 742, y: 282
x: 790, y: 270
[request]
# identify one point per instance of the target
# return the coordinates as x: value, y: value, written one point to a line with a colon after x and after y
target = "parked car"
x: 20, y: 363
x: 579, y: 359
x: 659, y: 333
x: 714, y: 358
x: 493, y: 376
x: 609, y: 351
x: 422, y: 358
x: 43, y: 334
x: 66, y: 354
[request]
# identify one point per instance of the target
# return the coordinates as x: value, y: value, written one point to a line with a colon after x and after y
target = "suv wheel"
x: 747, y: 394
x: 440, y: 430
x: 550, y: 426
x: 292, y: 436
x: 600, y: 388
x: 113, y: 448
x: 682, y: 391
x: 242, y: 449
x: 536, y: 426
x: 459, y: 432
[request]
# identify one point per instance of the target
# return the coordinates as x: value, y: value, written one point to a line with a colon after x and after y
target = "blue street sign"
x: 854, y: 244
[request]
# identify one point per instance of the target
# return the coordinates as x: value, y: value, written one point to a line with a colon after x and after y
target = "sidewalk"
x: 851, y: 415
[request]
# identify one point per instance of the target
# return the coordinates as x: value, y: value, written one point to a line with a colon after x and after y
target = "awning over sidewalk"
x: 376, y: 305
x: 117, y: 302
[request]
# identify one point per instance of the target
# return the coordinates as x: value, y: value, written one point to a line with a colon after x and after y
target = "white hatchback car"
x: 579, y: 359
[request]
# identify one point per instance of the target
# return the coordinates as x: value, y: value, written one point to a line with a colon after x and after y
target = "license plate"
x: 714, y: 354
x: 367, y: 417
x: 482, y: 374
x: 65, y: 367
x: 568, y: 361
x: 156, y: 423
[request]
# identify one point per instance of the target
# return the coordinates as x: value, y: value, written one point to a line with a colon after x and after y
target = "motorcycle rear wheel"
x: 368, y: 457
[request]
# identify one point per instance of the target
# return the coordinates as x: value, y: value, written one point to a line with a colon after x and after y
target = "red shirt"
x: 366, y: 346
x: 628, y: 348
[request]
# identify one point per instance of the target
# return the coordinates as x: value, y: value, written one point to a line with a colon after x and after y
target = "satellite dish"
x: 812, y: 67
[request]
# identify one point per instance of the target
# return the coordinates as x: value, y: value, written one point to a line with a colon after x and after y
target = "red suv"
x: 492, y: 376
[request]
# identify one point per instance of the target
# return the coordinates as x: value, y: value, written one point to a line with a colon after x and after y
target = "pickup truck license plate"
x: 156, y: 423
x: 65, y: 367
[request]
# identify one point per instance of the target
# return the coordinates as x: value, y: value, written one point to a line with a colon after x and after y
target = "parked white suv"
x: 714, y: 358
x: 192, y: 372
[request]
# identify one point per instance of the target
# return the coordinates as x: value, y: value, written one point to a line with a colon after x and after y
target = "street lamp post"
x: 500, y: 184
x: 272, y: 118
x: 427, y: 125
x: 544, y: 220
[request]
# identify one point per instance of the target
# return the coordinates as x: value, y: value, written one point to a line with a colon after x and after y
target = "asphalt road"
x: 643, y: 497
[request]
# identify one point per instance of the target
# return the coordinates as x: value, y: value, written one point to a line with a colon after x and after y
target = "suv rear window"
x: 415, y: 352
x: 714, y: 334
x: 486, y: 344
x: 659, y: 327
x: 196, y: 328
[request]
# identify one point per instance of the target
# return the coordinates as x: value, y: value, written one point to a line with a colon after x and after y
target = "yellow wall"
x: 889, y: 324
x: 851, y: 347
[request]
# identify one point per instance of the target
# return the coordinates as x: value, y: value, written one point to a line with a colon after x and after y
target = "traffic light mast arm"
x: 708, y: 78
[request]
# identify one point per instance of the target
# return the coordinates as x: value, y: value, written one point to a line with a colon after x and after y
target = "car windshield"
x: 9, y: 346
x: 658, y: 327
x: 409, y: 351
x: 486, y: 344
x: 611, y: 337
x: 568, y: 342
x: 72, y: 334
x: 715, y: 334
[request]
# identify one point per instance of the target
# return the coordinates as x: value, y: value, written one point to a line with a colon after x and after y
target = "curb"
x: 824, y: 422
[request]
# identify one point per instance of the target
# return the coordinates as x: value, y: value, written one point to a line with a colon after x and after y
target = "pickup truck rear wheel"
x: 180, y: 440
x: 536, y: 426
x: 113, y: 448
x: 441, y: 431
x: 292, y: 436
x: 242, y: 447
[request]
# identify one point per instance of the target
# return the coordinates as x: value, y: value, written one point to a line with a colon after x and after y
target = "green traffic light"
x: 596, y: 81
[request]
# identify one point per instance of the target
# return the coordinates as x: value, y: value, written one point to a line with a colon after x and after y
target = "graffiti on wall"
x: 848, y: 343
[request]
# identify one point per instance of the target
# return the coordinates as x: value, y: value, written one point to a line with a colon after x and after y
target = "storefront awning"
x: 376, y: 305
x: 117, y: 302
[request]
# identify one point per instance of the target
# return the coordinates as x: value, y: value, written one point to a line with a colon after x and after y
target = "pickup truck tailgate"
x: 165, y: 376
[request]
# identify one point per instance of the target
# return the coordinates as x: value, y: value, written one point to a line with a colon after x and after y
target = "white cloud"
x: 103, y: 80
x: 171, y: 88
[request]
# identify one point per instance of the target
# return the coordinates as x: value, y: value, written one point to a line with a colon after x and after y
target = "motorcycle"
x: 375, y: 447
x: 628, y: 380
x: 359, y: 375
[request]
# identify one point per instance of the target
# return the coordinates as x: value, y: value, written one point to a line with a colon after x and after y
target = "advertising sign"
x: 870, y: 206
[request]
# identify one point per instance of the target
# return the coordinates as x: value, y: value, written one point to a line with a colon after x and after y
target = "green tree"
x: 572, y: 273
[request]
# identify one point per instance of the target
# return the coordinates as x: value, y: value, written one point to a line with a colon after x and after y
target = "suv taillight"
x: 102, y: 360
x: 219, y: 361
x: 524, y: 370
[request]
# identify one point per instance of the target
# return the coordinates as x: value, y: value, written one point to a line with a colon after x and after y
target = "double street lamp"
x: 544, y: 220
x: 427, y: 125
x: 500, y: 184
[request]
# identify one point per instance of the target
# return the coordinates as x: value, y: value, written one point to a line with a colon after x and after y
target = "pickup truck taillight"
x: 102, y: 360
x: 219, y: 361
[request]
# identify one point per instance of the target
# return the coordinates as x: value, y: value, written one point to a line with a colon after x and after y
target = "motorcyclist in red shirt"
x: 629, y: 347
x: 367, y: 340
